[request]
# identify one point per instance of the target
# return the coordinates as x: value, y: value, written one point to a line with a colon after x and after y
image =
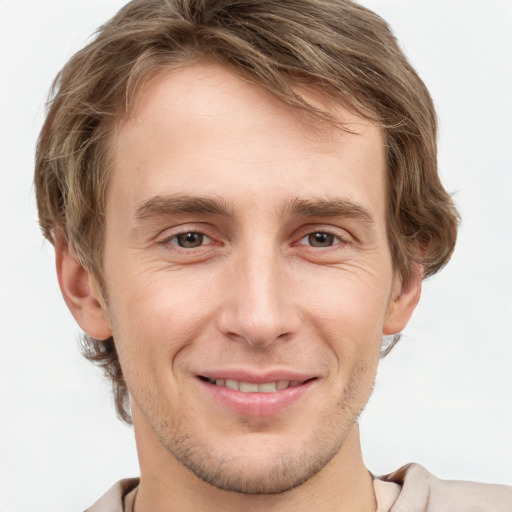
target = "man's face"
x: 246, y: 248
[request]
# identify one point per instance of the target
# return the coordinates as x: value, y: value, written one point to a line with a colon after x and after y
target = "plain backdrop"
x: 443, y: 397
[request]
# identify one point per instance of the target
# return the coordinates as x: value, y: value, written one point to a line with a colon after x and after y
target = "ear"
x: 81, y: 292
x: 404, y: 299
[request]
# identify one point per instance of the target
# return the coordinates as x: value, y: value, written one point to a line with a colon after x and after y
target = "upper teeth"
x: 252, y: 387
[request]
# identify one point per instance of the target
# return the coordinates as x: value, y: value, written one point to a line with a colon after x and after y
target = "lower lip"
x: 257, y: 404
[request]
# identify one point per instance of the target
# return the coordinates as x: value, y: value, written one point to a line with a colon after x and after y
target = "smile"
x: 257, y: 395
x: 253, y: 387
x: 253, y: 393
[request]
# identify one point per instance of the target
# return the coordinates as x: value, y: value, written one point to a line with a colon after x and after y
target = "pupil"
x: 321, y: 239
x: 190, y: 240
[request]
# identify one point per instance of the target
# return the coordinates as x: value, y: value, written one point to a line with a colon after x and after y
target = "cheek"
x: 348, y: 308
x: 158, y: 315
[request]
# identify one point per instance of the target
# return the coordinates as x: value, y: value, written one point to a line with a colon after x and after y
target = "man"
x: 244, y: 200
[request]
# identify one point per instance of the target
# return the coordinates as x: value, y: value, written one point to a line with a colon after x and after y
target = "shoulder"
x: 113, y: 499
x: 423, y: 492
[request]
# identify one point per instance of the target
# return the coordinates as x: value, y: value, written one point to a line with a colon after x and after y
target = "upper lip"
x: 257, y: 377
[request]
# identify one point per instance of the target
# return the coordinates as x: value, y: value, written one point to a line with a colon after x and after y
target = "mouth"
x: 254, y: 387
x: 257, y: 396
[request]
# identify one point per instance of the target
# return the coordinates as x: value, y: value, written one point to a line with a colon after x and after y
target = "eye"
x: 320, y: 239
x: 189, y: 240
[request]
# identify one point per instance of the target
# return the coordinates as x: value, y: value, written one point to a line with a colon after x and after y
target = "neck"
x: 343, y: 485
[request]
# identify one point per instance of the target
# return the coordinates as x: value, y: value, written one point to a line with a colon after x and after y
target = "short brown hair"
x: 336, y: 46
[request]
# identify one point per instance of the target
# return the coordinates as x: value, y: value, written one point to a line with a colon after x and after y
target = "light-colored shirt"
x: 410, y: 489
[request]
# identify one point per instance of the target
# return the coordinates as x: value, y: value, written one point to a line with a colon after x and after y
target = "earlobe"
x: 81, y: 293
x: 404, y: 300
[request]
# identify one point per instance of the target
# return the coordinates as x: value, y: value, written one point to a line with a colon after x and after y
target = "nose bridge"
x: 259, y: 308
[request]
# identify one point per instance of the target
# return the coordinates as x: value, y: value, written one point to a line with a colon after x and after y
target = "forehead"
x: 202, y: 130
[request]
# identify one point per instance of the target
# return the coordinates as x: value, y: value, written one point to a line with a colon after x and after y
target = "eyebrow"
x: 174, y: 205
x: 180, y: 204
x: 338, y: 207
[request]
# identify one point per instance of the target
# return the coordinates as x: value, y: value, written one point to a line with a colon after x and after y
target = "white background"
x: 443, y: 397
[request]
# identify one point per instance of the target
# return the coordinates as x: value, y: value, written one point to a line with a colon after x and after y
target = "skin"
x: 288, y: 271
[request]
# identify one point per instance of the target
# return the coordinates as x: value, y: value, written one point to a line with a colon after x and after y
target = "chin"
x: 257, y: 463
x: 274, y: 474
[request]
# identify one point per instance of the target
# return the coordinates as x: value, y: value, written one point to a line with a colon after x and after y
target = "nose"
x: 258, y: 306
